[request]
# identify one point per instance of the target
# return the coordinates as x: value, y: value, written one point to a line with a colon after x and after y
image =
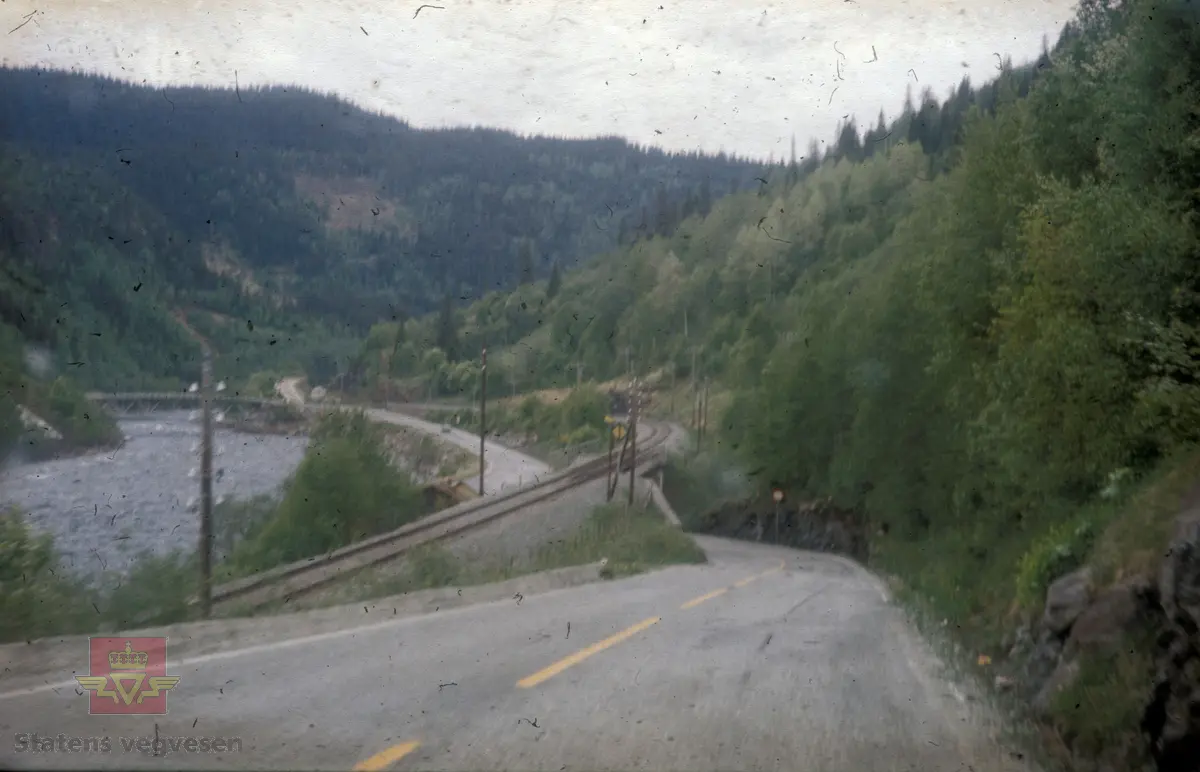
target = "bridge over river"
x: 234, y: 406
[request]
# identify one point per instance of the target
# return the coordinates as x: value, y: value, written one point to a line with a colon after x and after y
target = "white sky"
x: 739, y: 75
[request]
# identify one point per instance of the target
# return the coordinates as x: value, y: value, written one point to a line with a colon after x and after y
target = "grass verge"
x: 632, y: 540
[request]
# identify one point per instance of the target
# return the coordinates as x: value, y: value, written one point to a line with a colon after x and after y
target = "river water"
x: 103, y: 510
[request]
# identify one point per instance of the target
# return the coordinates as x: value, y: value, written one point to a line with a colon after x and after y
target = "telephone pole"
x: 615, y: 479
x: 482, y: 415
x: 612, y: 441
x: 206, y: 498
x: 634, y: 409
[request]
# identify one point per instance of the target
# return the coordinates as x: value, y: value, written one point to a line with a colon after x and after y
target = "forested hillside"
x: 976, y: 329
x: 275, y: 222
x: 717, y: 290
x: 971, y: 293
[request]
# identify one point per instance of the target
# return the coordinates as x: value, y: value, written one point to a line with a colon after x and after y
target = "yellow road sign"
x: 619, y: 431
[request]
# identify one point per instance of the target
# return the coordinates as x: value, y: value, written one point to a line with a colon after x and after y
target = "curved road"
x: 763, y: 659
x: 504, y: 468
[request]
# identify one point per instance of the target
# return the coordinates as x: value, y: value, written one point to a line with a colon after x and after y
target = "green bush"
x: 584, y: 434
x: 157, y: 591
x: 697, y: 485
x: 10, y: 425
x: 528, y: 410
x: 344, y: 490
x: 11, y: 386
x: 36, y: 598
x: 261, y: 384
x: 239, y: 520
x: 583, y: 407
x: 1063, y: 549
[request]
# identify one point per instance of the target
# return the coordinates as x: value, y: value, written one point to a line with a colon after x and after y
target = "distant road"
x: 764, y: 659
x: 504, y: 467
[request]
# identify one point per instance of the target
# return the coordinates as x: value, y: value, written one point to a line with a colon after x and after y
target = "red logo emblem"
x: 128, y: 676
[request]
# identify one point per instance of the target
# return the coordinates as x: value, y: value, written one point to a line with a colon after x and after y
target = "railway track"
x: 296, y: 579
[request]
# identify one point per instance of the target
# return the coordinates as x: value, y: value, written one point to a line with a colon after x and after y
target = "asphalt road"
x: 764, y: 659
x: 504, y: 468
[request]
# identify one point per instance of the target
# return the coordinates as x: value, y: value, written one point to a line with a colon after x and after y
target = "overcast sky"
x: 738, y: 75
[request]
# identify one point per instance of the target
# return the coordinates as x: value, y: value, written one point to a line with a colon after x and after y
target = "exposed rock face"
x: 1180, y: 577
x: 1172, y: 719
x: 1067, y: 598
x: 1114, y: 613
x: 1080, y: 620
x: 1035, y: 658
x: 819, y: 525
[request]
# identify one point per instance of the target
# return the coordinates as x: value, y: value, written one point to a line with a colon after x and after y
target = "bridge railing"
x: 180, y: 396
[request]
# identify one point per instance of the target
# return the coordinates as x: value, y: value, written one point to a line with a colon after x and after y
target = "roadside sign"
x: 619, y: 431
x: 777, y: 494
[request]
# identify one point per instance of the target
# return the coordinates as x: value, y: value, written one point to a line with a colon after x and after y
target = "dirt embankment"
x: 422, y: 456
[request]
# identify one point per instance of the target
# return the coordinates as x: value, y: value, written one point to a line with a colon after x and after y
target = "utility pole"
x: 612, y: 441
x: 384, y: 366
x: 634, y: 409
x: 674, y: 368
x: 206, y: 497
x: 777, y: 495
x: 616, y: 475
x: 482, y: 415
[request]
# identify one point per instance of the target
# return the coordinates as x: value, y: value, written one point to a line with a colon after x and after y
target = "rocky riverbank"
x: 104, y: 509
x: 73, y: 436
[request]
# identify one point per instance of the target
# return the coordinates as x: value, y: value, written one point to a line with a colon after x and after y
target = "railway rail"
x: 296, y: 579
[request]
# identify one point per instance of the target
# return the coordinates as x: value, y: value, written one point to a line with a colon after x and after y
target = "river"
x: 104, y: 510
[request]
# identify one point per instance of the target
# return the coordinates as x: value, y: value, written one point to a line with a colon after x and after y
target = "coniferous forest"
x: 278, y: 224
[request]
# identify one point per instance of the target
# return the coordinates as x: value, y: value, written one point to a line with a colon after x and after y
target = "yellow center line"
x: 386, y: 757
x: 746, y: 581
x: 774, y: 570
x: 580, y: 656
x: 697, y: 601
